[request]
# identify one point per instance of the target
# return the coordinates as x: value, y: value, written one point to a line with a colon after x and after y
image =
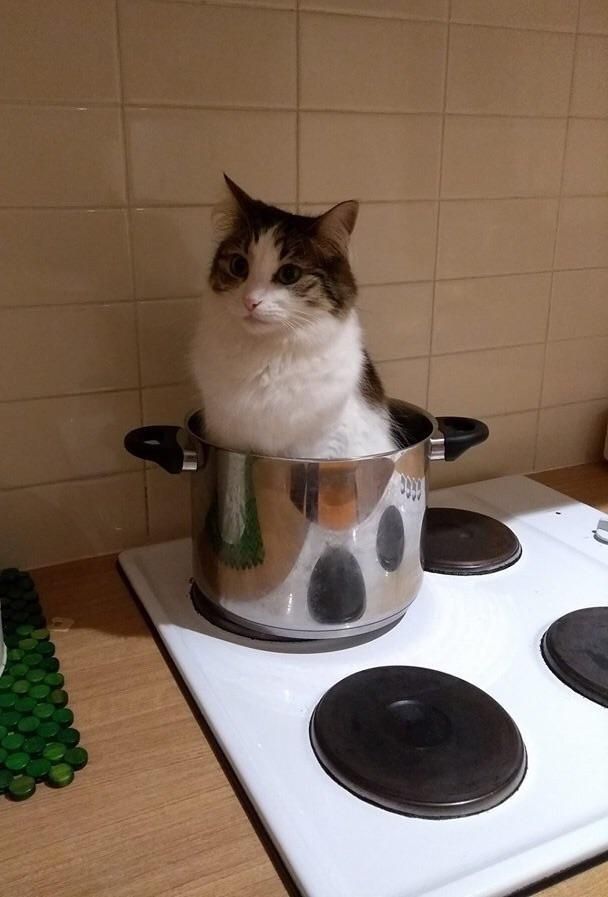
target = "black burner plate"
x: 465, y: 543
x: 209, y: 610
x: 575, y: 648
x: 418, y: 742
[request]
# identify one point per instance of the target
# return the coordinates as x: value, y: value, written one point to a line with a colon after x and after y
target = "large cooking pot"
x: 308, y: 549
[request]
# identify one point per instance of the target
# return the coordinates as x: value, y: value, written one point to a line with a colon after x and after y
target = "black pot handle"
x: 460, y: 434
x: 158, y: 444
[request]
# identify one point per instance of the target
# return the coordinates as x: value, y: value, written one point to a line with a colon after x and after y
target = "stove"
x: 459, y: 753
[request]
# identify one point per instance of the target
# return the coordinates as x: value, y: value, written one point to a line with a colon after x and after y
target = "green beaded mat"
x: 37, y: 740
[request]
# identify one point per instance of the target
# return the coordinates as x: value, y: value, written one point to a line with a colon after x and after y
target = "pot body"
x: 304, y: 548
x: 309, y: 549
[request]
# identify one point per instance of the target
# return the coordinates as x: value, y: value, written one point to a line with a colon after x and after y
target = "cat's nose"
x: 251, y: 302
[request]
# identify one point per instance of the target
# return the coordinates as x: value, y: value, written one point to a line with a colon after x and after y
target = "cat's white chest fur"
x: 274, y: 394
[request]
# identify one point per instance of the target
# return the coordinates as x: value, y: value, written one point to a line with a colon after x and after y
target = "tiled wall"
x: 474, y: 132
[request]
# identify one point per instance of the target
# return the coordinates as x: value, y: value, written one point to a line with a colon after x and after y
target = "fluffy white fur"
x: 282, y: 378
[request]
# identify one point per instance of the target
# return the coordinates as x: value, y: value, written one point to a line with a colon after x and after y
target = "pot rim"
x: 398, y: 405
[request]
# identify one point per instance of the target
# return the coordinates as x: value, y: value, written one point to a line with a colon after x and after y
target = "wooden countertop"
x: 157, y: 811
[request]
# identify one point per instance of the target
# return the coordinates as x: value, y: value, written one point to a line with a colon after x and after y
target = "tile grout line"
x: 439, y: 188
x: 555, y: 240
x: 130, y: 243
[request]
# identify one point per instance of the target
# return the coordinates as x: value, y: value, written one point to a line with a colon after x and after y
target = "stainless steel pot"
x: 308, y: 549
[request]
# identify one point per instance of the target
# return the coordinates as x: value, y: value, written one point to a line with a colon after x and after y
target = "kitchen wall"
x: 475, y: 133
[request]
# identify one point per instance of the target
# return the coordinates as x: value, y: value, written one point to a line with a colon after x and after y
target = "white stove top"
x: 258, y: 698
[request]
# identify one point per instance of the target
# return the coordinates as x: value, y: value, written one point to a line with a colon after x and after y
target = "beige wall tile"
x: 589, y: 94
x: 406, y: 9
x: 501, y: 236
x: 370, y: 157
x: 395, y: 242
x: 67, y: 350
x: 207, y: 55
x: 509, y: 449
x: 166, y: 330
x: 169, y: 511
x: 81, y: 437
x: 586, y: 165
x: 366, y: 64
x: 59, y: 50
x: 494, y: 381
x: 172, y: 249
x: 553, y: 15
x: 576, y: 370
x: 508, y: 72
x: 178, y: 155
x: 396, y: 319
x: 488, y: 312
x: 169, y: 404
x: 60, y: 522
x: 571, y: 434
x: 488, y: 157
x: 406, y: 379
x: 58, y: 156
x: 594, y: 16
x: 58, y: 256
x: 578, y: 304
x: 582, y: 237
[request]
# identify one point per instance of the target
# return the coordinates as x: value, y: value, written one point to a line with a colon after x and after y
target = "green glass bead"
x: 34, y: 745
x: 14, y: 593
x: 3, y: 755
x: 17, y: 762
x: 43, y: 711
x: 21, y: 687
x: 48, y: 729
x: 25, y: 704
x: 28, y: 724
x: 29, y: 596
x: 6, y: 777
x: 35, y: 619
x: 10, y: 640
x: 55, y: 680
x: 9, y: 718
x: 63, y: 716
x: 20, y: 616
x: 77, y: 757
x: 47, y: 649
x: 14, y: 654
x: 60, y: 775
x: 39, y: 692
x: 19, y: 670
x: 36, y: 676
x: 3, y: 732
x: 28, y: 644
x: 24, y: 630
x: 50, y: 664
x: 7, y: 700
x: 58, y: 697
x: 38, y: 768
x: 34, y: 660
x: 22, y: 787
x: 54, y: 751
x: 41, y: 635
x: 69, y: 737
x: 6, y: 683
x: 12, y: 742
x: 10, y: 574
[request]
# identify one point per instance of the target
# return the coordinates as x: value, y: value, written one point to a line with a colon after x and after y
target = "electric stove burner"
x: 466, y: 543
x: 225, y: 620
x: 575, y: 648
x: 418, y: 742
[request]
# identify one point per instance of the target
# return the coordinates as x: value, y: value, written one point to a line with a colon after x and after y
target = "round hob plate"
x: 466, y: 543
x: 418, y: 742
x: 575, y: 648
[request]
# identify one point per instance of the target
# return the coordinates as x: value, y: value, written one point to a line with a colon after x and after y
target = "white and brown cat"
x: 279, y: 357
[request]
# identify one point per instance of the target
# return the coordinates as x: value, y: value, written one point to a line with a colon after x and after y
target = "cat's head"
x: 277, y: 271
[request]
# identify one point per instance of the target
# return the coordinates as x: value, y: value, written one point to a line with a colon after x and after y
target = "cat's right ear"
x: 243, y: 201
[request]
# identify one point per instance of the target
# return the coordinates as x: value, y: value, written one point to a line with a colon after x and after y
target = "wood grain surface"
x: 157, y: 811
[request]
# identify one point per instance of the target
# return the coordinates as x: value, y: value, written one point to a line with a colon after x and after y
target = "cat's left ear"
x: 337, y: 224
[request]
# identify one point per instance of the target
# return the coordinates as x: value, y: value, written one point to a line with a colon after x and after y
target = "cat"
x: 278, y: 356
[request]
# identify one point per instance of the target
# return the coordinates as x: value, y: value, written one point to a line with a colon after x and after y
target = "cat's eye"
x: 288, y: 274
x: 238, y: 265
